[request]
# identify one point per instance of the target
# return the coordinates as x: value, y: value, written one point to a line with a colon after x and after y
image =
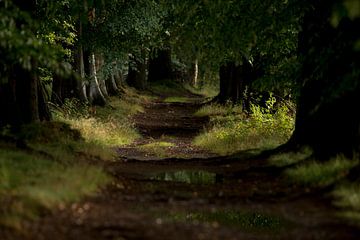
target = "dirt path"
x: 191, y: 194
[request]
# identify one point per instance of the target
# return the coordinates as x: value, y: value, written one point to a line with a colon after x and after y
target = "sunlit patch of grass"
x: 234, y: 132
x: 321, y: 173
x: 30, y: 184
x: 215, y: 109
x: 159, y: 149
x: 134, y: 96
x: 105, y: 126
x: 207, y: 90
x: 177, y: 100
x: 284, y: 159
x: 108, y: 133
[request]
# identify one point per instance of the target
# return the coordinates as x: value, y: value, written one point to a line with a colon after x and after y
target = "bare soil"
x: 191, y: 194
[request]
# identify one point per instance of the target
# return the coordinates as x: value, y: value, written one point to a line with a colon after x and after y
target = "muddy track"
x: 196, y: 196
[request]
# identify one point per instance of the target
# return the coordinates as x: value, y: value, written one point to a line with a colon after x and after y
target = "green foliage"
x: 20, y: 44
x: 321, y: 174
x: 234, y: 132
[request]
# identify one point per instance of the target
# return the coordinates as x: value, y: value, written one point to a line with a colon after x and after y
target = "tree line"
x: 304, y: 50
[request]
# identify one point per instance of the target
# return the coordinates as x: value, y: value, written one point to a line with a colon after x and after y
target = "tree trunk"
x: 22, y: 98
x: 160, y: 66
x: 111, y: 85
x: 137, y: 73
x: 80, y: 67
x: 327, y: 119
x: 96, y: 97
x: 101, y: 77
x: 194, y: 72
x: 231, y: 83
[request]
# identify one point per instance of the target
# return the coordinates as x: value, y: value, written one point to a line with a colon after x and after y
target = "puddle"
x: 193, y: 177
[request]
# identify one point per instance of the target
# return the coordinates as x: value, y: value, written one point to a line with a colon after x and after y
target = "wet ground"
x: 188, y: 193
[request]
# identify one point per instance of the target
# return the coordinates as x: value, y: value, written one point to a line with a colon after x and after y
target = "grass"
x: 285, y: 159
x: 219, y: 110
x: 30, y: 184
x: 347, y: 197
x: 159, y: 149
x: 107, y: 126
x: 168, y: 88
x: 177, y: 100
x: 59, y: 166
x: 207, y: 90
x: 321, y: 173
x: 232, y: 131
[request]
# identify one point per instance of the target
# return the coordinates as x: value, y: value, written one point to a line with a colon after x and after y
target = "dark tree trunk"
x: 22, y: 98
x: 327, y: 115
x: 233, y: 81
x: 160, y: 66
x: 111, y: 85
x: 64, y: 88
x: 137, y: 73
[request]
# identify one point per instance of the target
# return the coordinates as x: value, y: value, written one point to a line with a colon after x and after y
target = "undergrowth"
x: 232, y: 131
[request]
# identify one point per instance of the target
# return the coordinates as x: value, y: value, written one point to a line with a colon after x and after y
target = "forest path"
x: 188, y: 193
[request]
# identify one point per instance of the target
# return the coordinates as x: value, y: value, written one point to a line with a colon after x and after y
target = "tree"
x: 232, y: 36
x: 329, y: 76
x: 22, y: 97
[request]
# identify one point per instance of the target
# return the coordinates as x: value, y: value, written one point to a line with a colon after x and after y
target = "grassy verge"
x: 232, y: 131
x: 62, y: 160
x: 30, y: 184
x: 105, y: 126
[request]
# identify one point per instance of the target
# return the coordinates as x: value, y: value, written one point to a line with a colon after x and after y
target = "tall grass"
x: 105, y: 126
x: 232, y: 131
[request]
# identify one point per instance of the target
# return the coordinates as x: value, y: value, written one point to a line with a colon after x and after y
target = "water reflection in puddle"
x: 185, y: 176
